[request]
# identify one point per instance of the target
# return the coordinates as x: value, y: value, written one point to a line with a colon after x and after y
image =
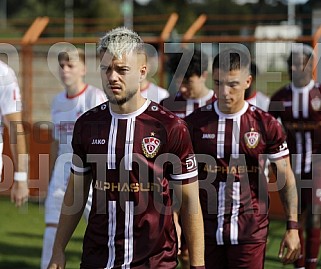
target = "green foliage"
x: 56, y: 8
x: 187, y: 9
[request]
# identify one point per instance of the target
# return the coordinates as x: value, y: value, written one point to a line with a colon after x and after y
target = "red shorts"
x: 249, y: 256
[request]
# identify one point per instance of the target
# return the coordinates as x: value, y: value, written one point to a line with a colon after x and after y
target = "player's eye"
x: 104, y: 68
x: 123, y: 70
x: 218, y: 83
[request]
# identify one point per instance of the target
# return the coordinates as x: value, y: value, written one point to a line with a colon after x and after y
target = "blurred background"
x: 33, y: 32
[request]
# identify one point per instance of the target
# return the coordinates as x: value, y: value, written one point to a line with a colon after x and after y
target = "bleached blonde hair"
x: 120, y: 41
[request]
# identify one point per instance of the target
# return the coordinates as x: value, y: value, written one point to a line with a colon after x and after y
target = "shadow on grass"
x: 77, y: 239
x: 6, y: 264
x: 25, y: 256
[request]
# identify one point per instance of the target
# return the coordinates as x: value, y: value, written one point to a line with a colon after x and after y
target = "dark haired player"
x: 298, y: 105
x: 232, y: 134
x: 189, y: 69
x: 190, y: 74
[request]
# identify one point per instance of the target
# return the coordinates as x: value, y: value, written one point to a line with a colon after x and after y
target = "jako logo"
x: 98, y: 141
x: 208, y: 136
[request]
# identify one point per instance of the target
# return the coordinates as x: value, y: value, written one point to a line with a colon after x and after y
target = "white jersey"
x: 154, y: 93
x: 260, y: 100
x: 65, y: 111
x: 10, y: 98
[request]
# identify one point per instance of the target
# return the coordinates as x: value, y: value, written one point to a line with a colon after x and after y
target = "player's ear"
x: 143, y: 72
x: 84, y: 70
x: 204, y: 75
x: 249, y: 81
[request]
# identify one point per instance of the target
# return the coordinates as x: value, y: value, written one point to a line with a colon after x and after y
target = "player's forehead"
x: 126, y: 59
x: 70, y: 62
x: 299, y: 58
x: 222, y: 74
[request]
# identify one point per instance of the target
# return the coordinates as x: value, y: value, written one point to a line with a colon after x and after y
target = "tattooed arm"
x: 289, y: 198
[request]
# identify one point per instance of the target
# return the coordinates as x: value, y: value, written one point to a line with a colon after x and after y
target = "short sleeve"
x: 181, y: 146
x: 94, y: 97
x: 276, y: 142
x: 101, y: 97
x: 10, y: 96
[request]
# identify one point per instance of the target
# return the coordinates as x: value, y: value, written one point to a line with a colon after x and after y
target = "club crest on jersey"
x: 252, y: 139
x: 316, y: 103
x: 150, y: 145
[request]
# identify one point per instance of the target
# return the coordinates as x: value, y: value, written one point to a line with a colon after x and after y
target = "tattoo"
x: 288, y: 195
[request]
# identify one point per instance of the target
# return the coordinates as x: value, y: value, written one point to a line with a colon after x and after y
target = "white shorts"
x: 54, y: 202
x: 56, y: 193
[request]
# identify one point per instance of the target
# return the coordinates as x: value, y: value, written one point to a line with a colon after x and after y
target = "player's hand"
x: 291, y: 242
x: 57, y: 261
x: 19, y: 192
x: 178, y: 231
x: 55, y: 266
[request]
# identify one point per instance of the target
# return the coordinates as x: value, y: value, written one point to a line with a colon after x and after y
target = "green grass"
x: 21, y: 231
x: 21, y: 238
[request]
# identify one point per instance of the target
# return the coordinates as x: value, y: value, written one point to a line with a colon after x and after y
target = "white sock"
x: 48, y: 241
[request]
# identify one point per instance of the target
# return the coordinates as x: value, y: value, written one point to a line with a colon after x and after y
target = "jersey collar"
x: 230, y: 116
x: 132, y: 114
x: 305, y: 88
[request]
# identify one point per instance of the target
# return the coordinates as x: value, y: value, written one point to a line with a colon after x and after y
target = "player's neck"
x: 132, y: 105
x: 203, y: 92
x: 74, y: 90
x: 237, y: 107
x: 249, y: 93
x: 144, y: 85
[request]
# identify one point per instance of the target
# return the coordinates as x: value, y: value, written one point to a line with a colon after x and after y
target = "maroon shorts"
x: 309, y: 185
x: 250, y: 256
x: 310, y: 194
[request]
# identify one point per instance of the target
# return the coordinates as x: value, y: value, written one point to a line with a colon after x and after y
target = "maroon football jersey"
x: 132, y: 158
x: 183, y: 107
x: 299, y: 111
x: 233, y: 187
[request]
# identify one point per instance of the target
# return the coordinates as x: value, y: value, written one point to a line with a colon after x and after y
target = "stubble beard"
x: 113, y: 100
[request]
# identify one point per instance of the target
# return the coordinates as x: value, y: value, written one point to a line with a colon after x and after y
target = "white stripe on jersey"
x: 298, y: 138
x: 129, y: 220
x: 236, y: 137
x: 129, y: 143
x: 189, y: 106
x: 308, y: 152
x: 80, y: 169
x: 305, y: 104
x: 220, y: 137
x: 279, y: 154
x: 111, y: 161
x: 234, y: 231
x: 220, y: 213
x: 185, y: 176
x: 111, y: 233
x: 295, y: 104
